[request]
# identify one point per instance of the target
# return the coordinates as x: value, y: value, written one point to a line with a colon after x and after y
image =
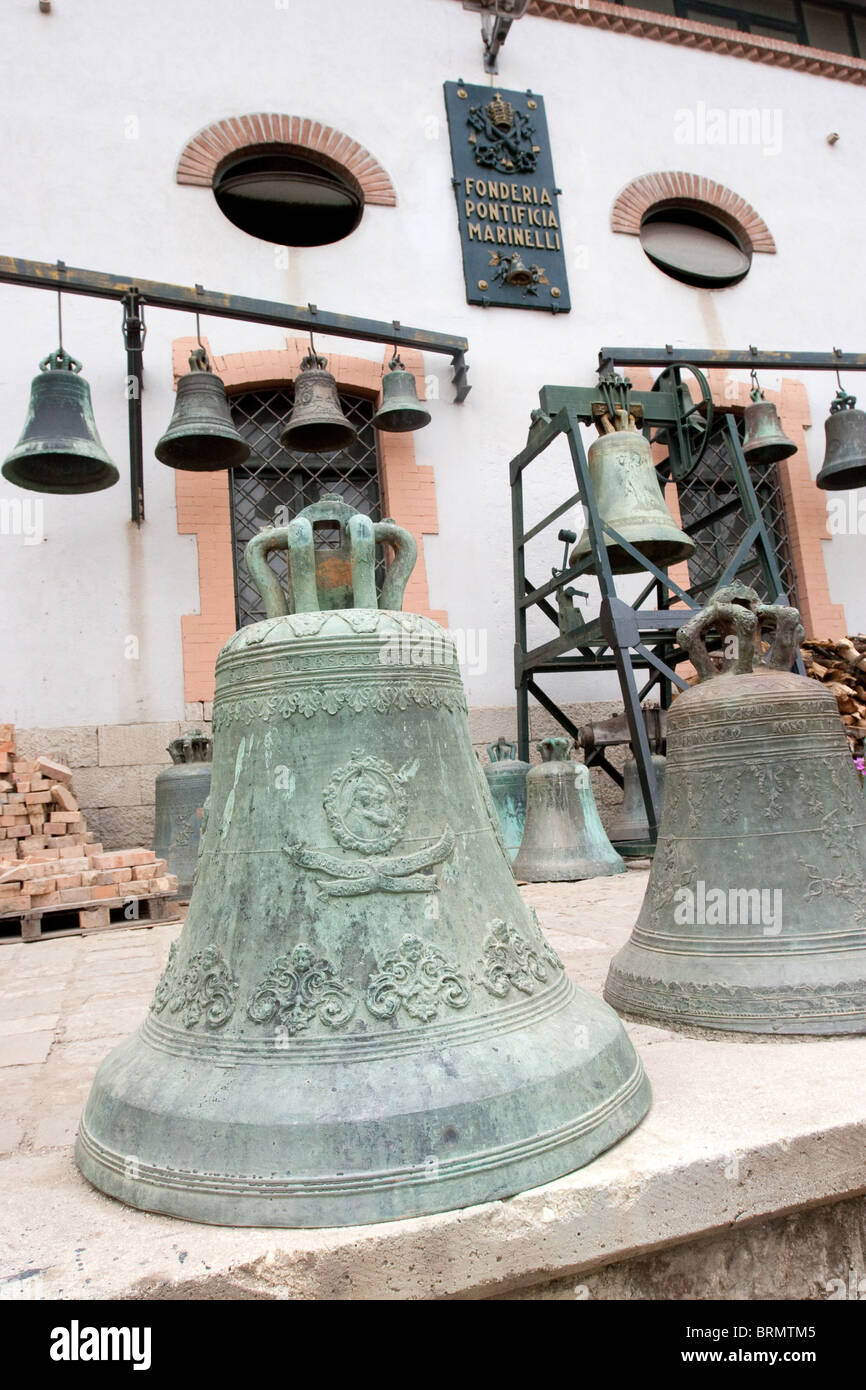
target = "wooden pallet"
x: 109, y: 914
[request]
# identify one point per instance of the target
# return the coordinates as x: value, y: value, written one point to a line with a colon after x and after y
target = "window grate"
x: 275, y: 484
x: 712, y: 486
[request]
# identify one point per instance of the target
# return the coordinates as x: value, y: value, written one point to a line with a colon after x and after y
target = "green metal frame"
x: 625, y: 637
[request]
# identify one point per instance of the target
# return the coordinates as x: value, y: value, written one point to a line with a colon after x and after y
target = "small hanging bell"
x: 564, y: 839
x: 506, y: 778
x: 400, y: 410
x: 845, y: 457
x: 60, y: 450
x: 764, y: 440
x: 202, y: 436
x: 630, y: 499
x: 317, y: 424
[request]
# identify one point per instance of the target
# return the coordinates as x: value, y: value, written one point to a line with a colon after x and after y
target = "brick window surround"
x: 670, y: 189
x: 202, y: 156
x: 805, y: 504
x: 711, y: 38
x: 204, y: 508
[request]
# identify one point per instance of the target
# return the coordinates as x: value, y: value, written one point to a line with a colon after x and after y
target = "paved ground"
x: 736, y: 1134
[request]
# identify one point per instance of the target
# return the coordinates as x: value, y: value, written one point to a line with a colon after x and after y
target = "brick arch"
x: 204, y: 509
x: 204, y: 153
x: 690, y: 190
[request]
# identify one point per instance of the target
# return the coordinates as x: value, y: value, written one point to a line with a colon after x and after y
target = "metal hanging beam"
x: 761, y: 360
x: 134, y: 294
x: 40, y: 275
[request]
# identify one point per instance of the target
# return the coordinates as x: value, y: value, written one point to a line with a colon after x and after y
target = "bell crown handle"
x: 736, y: 624
x: 740, y: 618
x: 554, y: 749
x: 501, y: 750
x: 298, y: 541
x: 788, y: 632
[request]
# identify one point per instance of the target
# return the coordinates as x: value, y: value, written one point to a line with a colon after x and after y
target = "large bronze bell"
x: 181, y: 792
x: 564, y: 839
x: 202, y: 436
x: 764, y: 440
x: 845, y: 456
x: 629, y: 498
x: 361, y: 1019
x: 506, y: 778
x: 400, y: 410
x: 630, y: 825
x: 754, y: 917
x: 317, y: 424
x: 60, y: 450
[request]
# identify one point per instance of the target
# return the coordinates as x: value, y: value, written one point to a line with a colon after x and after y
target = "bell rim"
x: 107, y: 478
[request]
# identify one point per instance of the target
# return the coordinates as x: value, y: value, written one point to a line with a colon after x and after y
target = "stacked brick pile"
x: 48, y: 857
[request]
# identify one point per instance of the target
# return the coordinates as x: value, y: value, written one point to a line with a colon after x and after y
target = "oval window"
x: 284, y: 198
x: 694, y: 247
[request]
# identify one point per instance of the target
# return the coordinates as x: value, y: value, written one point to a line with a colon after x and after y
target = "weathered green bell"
x: 317, y: 424
x: 361, y: 1019
x: 845, y: 456
x: 400, y: 410
x: 506, y: 778
x: 60, y: 450
x: 754, y: 918
x: 629, y: 498
x: 181, y: 792
x: 202, y: 436
x: 630, y: 825
x: 764, y: 440
x: 564, y: 839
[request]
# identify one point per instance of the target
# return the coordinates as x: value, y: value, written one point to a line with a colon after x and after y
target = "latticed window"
x: 275, y: 484
x: 710, y: 491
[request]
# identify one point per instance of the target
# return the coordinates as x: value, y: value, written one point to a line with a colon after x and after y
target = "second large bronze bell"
x: 764, y: 440
x: 845, y: 457
x: 361, y: 1019
x: 754, y: 917
x: 629, y: 498
x: 317, y: 424
x: 60, y: 450
x: 202, y: 436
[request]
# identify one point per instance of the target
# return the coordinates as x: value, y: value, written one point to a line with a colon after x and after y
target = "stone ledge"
x: 740, y: 1132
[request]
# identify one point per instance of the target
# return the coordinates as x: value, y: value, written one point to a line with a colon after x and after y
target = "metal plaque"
x: 507, y: 208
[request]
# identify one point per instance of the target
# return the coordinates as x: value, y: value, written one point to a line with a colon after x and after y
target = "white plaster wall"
x: 99, y: 101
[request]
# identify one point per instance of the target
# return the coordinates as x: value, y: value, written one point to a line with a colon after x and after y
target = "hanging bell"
x: 506, y: 778
x: 629, y: 498
x: 202, y: 436
x: 181, y: 792
x: 361, y: 1019
x: 764, y: 440
x: 564, y: 839
x: 845, y: 456
x: 60, y: 450
x: 400, y: 409
x: 753, y: 919
x: 317, y: 424
x: 630, y: 825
